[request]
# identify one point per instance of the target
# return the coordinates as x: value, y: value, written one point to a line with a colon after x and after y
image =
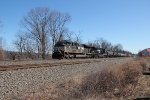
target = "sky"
x: 118, y: 21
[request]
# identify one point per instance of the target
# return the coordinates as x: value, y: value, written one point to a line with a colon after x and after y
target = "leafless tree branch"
x: 36, y: 24
x: 57, y: 23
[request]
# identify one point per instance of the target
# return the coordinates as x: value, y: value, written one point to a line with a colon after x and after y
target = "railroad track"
x: 26, y: 66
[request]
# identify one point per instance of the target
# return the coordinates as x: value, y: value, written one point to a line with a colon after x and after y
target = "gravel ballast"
x: 22, y: 81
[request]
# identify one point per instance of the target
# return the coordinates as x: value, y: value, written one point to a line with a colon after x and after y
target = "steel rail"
x: 27, y: 66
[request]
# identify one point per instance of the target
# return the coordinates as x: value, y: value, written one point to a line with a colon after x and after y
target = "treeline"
x: 41, y: 29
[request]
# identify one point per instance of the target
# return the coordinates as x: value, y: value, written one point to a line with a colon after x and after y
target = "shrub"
x: 109, y: 83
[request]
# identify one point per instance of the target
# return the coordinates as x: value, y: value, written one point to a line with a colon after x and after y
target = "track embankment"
x: 28, y: 77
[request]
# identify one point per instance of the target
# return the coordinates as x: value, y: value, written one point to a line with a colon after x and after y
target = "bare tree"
x: 31, y: 48
x: 36, y: 25
x: 1, y: 44
x: 118, y: 48
x: 69, y: 35
x: 40, y: 23
x: 20, y: 42
x: 78, y: 37
x: 91, y: 43
x: 26, y: 46
x: 57, y: 23
x: 97, y: 44
x: 104, y: 44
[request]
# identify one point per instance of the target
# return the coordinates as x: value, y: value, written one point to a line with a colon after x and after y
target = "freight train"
x: 68, y: 49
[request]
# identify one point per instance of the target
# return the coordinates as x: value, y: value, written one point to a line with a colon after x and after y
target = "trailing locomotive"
x: 68, y: 49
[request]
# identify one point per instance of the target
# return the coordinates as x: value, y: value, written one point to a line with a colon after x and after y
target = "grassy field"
x: 124, y: 82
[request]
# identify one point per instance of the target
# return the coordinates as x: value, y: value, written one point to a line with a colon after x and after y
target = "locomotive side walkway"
x: 30, y: 79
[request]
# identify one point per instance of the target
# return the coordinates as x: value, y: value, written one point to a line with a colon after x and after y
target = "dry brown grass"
x: 109, y: 83
x: 118, y: 82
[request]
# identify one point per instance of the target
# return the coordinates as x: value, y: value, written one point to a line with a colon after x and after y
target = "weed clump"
x: 119, y: 83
